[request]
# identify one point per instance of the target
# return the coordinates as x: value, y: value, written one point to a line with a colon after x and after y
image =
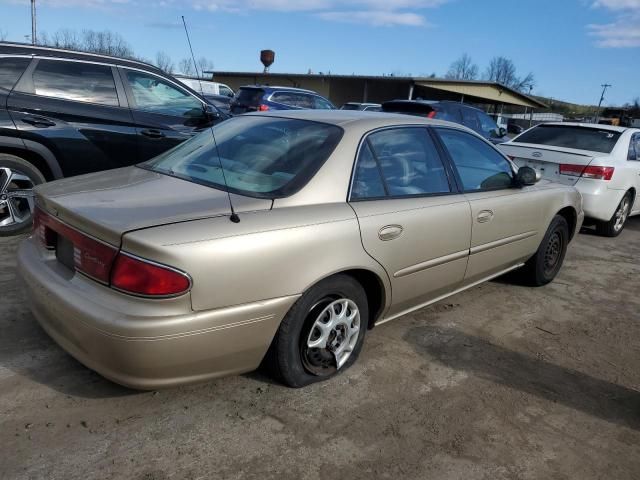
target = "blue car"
x: 262, y: 98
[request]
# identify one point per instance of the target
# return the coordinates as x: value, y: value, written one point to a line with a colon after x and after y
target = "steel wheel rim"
x: 553, y: 252
x: 16, y: 197
x: 332, y: 337
x: 621, y: 214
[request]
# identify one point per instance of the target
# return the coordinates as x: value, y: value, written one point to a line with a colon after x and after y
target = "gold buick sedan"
x: 281, y: 239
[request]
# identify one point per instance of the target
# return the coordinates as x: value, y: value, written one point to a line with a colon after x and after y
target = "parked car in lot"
x: 206, y: 87
x: 365, y: 107
x: 602, y: 162
x: 341, y: 220
x: 514, y: 128
x: 262, y: 98
x: 456, y: 112
x: 65, y: 113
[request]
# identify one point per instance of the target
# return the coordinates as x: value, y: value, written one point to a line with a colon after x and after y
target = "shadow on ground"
x: 480, y: 357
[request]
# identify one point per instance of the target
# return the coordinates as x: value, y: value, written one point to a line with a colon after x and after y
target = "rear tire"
x: 616, y: 224
x: 322, y: 334
x: 543, y: 267
x: 17, y: 179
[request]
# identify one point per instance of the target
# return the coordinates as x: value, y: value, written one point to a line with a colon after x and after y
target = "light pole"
x: 33, y: 22
x: 604, y: 89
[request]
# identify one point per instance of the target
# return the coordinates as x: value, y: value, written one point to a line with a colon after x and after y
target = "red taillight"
x: 141, y: 277
x: 90, y: 256
x: 590, y: 171
x: 432, y: 114
x: 263, y: 108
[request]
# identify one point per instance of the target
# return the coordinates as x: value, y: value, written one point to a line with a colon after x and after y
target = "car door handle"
x: 152, y: 133
x: 390, y: 232
x: 484, y: 216
x: 38, y: 122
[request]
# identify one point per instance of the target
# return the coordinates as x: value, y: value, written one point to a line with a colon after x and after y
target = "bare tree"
x: 502, y: 70
x: 186, y: 67
x: 164, y: 62
x: 463, y: 69
x: 104, y: 42
x: 204, y: 65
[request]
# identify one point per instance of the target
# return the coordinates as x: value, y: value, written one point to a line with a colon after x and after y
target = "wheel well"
x: 633, y: 196
x: 31, y: 157
x: 571, y: 217
x: 374, y: 289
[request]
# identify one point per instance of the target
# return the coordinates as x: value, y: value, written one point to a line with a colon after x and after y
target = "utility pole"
x: 33, y: 22
x: 604, y: 89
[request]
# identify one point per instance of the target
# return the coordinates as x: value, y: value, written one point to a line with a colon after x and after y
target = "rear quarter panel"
x: 267, y: 255
x: 556, y: 198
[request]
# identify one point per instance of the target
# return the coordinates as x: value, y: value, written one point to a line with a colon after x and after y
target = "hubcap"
x: 621, y: 214
x: 16, y: 197
x: 553, y: 252
x: 332, y: 338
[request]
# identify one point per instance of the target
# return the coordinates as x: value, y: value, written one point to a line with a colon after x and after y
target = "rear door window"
x: 320, y: 103
x: 285, y: 98
x: 405, y: 160
x: 470, y: 119
x: 77, y: 81
x: 487, y: 125
x: 572, y: 136
x: 449, y: 113
x: 11, y: 69
x: 634, y: 147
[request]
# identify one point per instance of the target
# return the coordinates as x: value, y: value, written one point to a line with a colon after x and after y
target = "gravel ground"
x: 499, y: 382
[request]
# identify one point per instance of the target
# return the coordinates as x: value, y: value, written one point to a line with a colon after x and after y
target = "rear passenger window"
x: 470, y: 119
x: 10, y: 71
x: 406, y: 161
x: 78, y: 81
x: 321, y: 104
x: 479, y: 165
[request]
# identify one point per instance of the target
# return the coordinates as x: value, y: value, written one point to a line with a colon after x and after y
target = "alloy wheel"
x: 16, y: 197
x: 622, y: 213
x: 333, y: 336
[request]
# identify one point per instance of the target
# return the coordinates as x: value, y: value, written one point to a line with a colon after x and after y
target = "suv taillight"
x: 263, y: 108
x: 432, y: 114
x: 590, y: 171
x: 142, y: 277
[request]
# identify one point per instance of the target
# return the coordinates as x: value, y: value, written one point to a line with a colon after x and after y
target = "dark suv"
x: 471, y: 117
x: 263, y: 98
x: 65, y: 113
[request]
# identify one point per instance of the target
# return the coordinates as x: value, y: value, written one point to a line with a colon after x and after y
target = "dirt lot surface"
x: 499, y: 382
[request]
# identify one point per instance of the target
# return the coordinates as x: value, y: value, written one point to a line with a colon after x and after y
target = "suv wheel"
x: 17, y: 179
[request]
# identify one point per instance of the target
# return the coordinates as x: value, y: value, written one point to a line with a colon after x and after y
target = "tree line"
x: 110, y: 43
x: 500, y: 69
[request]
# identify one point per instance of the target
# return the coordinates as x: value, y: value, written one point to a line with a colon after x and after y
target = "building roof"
x: 475, y: 89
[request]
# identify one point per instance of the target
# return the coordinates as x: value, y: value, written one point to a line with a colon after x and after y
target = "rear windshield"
x: 249, y: 97
x: 265, y: 157
x: 411, y: 108
x: 567, y: 136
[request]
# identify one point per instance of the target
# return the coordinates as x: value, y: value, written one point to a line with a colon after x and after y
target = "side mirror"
x: 211, y: 113
x: 527, y: 176
x: 501, y: 132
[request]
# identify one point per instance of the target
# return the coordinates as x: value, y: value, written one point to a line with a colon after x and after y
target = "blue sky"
x: 571, y: 46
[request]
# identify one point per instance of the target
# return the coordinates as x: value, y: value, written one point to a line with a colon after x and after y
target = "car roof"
x: 431, y: 103
x: 276, y: 87
x: 599, y: 126
x: 11, y: 48
x: 353, y: 118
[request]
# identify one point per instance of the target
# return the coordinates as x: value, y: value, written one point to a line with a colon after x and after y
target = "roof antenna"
x: 193, y: 57
x: 234, y: 216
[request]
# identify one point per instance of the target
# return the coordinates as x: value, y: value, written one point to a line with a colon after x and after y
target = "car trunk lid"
x: 547, y: 160
x: 108, y: 204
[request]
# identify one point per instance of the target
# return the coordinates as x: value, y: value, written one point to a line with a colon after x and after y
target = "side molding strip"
x: 431, y: 263
x: 501, y: 242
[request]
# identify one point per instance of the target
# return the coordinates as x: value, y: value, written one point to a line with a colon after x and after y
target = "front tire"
x: 616, y: 224
x: 322, y: 334
x: 543, y: 267
x: 17, y: 179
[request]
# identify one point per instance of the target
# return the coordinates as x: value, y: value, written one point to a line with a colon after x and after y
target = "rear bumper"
x: 599, y: 202
x: 145, y: 347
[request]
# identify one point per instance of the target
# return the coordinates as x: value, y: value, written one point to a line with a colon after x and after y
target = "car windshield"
x: 567, y: 136
x: 265, y: 157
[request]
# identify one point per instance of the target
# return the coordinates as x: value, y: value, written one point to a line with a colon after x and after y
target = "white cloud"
x: 377, y: 18
x: 624, y: 31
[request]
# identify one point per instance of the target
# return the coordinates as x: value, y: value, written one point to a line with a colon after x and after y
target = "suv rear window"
x: 568, y: 136
x: 262, y: 157
x: 249, y: 97
x: 10, y: 71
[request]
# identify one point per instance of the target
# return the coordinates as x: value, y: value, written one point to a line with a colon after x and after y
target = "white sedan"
x: 601, y: 161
